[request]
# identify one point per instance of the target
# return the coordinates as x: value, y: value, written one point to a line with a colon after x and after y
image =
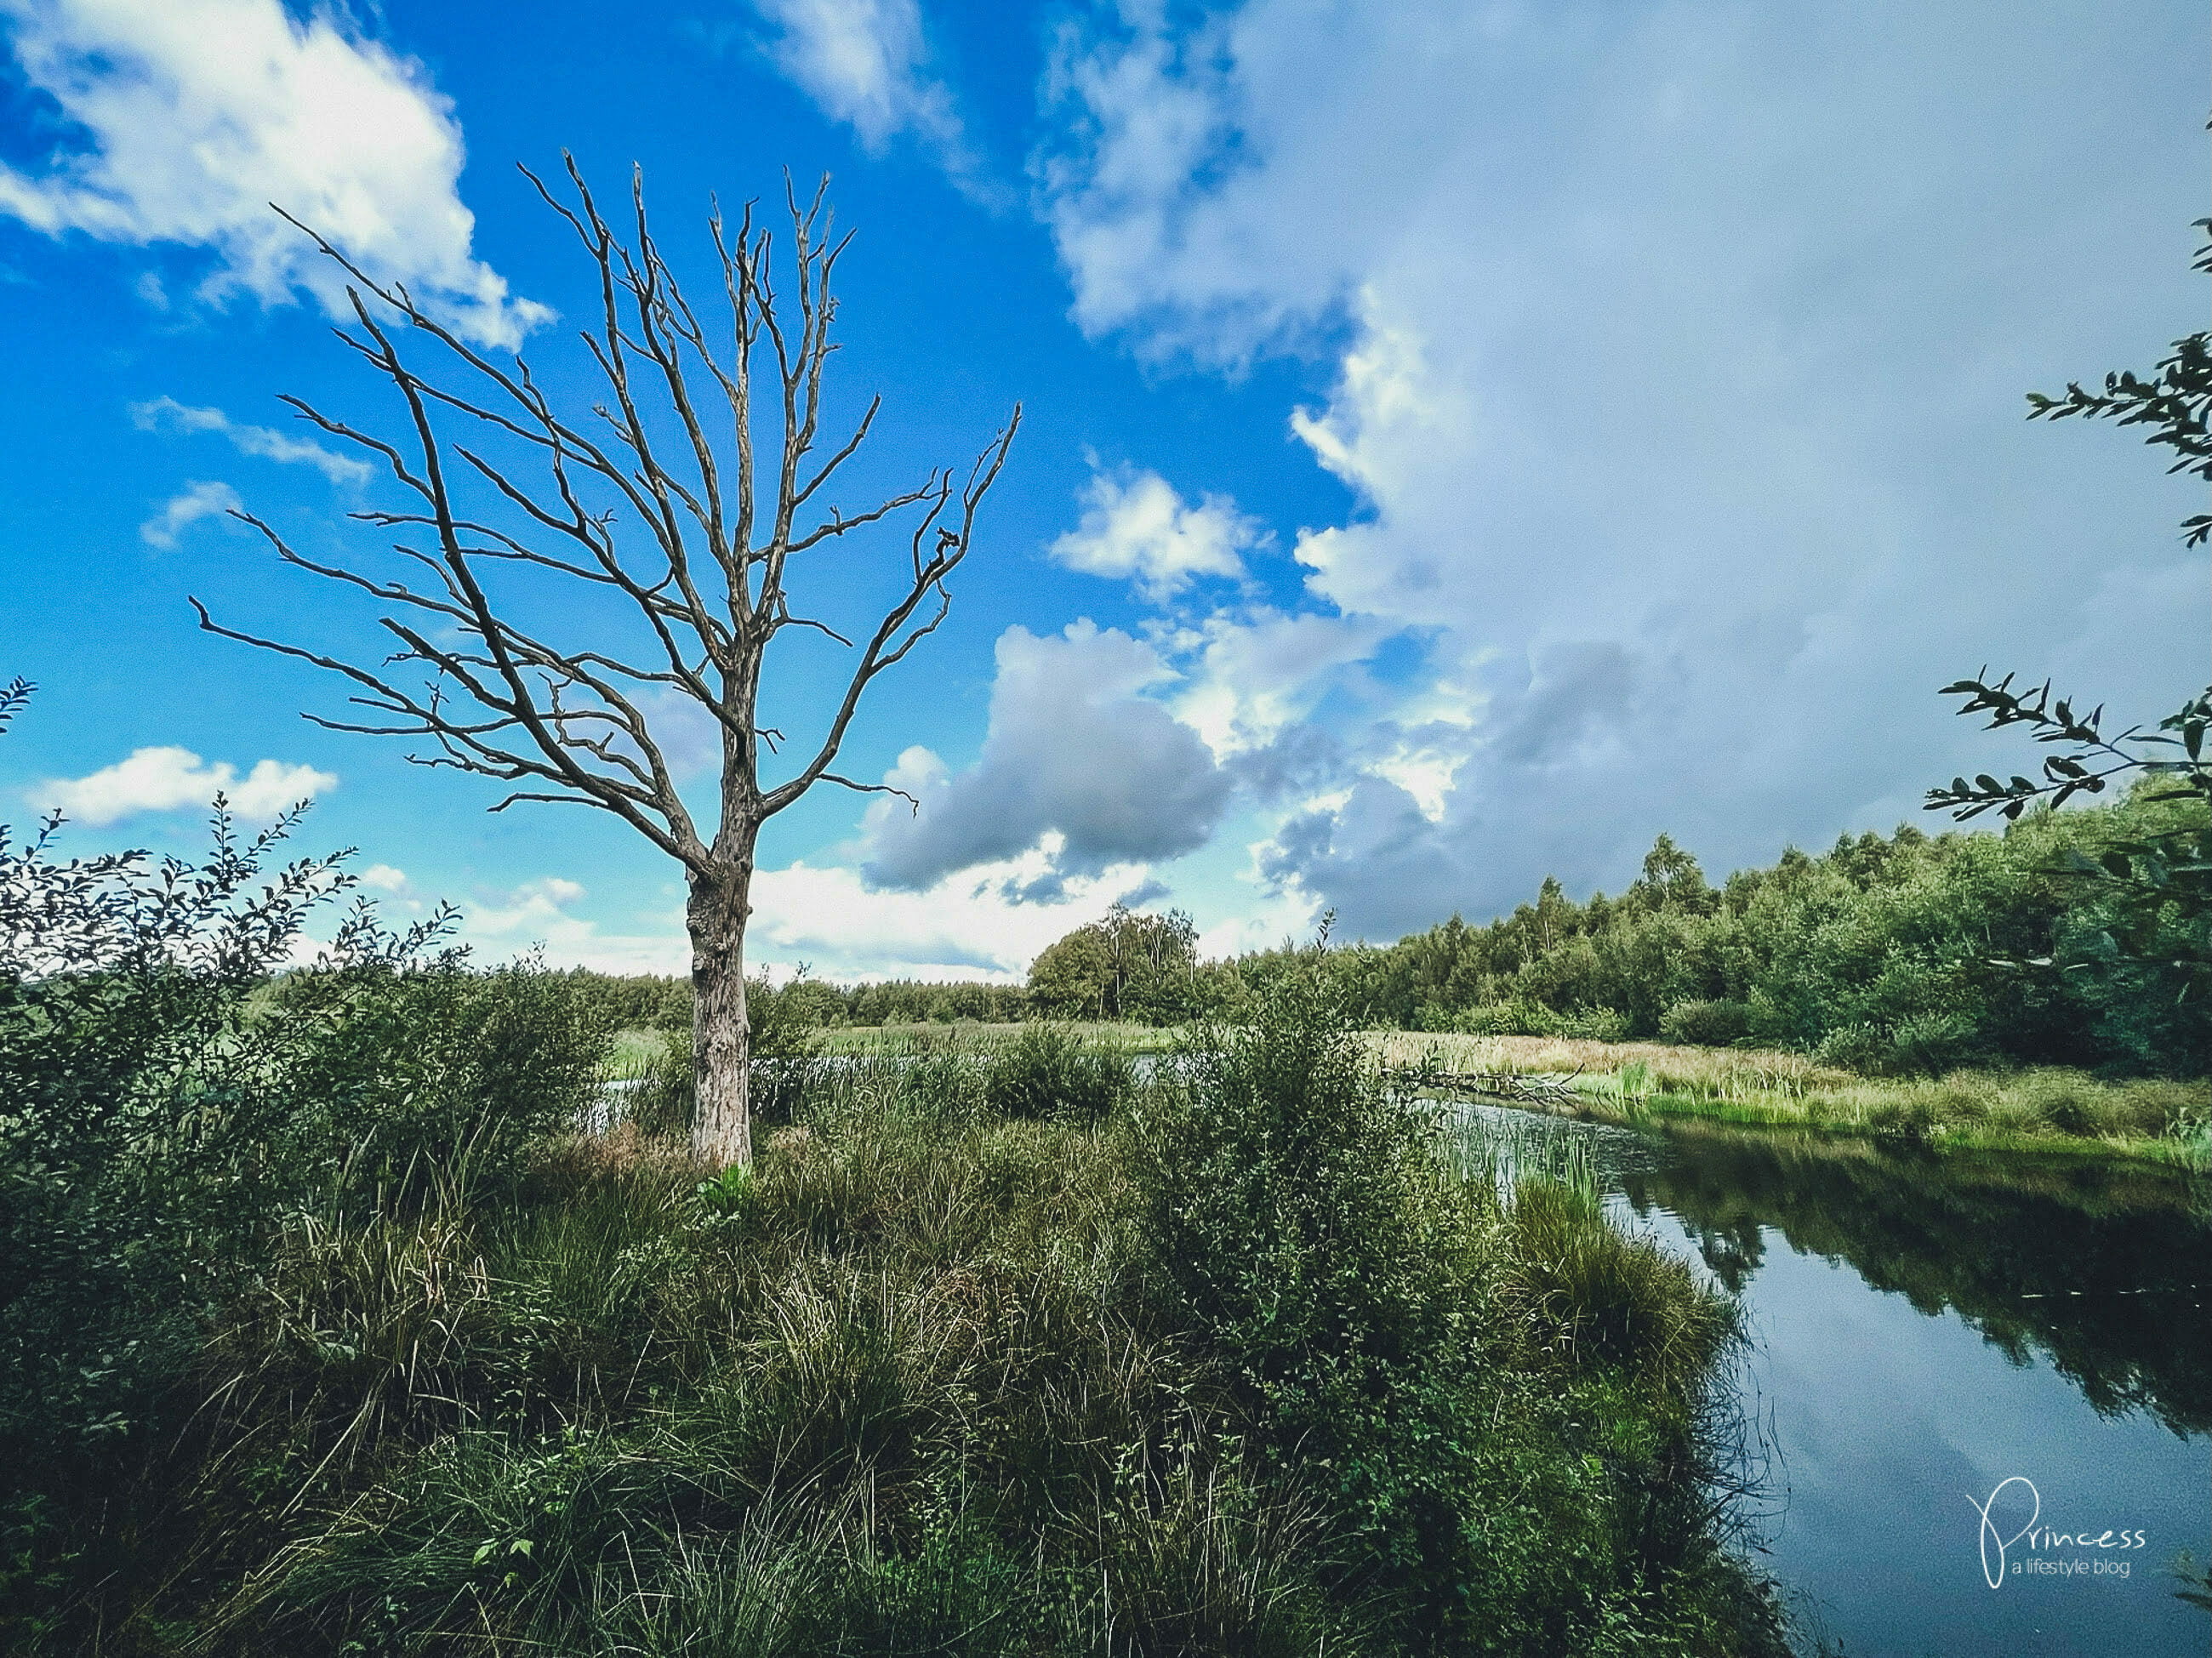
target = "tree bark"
x: 721, y: 1119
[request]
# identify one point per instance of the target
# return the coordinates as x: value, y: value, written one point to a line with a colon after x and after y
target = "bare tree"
x: 655, y: 499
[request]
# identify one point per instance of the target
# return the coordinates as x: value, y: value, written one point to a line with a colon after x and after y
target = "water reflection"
x: 2099, y: 1269
x: 1924, y: 1330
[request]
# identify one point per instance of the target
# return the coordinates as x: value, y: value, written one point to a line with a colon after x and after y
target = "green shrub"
x: 1381, y: 1322
x: 1612, y: 1299
x: 1705, y: 1025
x: 1048, y: 1071
x: 1527, y: 1018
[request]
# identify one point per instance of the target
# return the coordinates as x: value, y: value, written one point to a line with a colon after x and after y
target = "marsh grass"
x: 971, y: 1036
x: 2045, y: 1108
x: 924, y: 1382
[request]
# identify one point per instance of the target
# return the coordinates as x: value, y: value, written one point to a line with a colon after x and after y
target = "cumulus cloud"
x: 1075, y: 749
x: 540, y: 914
x: 973, y: 924
x: 193, y: 118
x: 1253, y: 677
x: 166, y: 414
x: 865, y: 63
x: 195, y: 502
x: 166, y: 778
x: 988, y: 921
x: 1678, y: 361
x: 1135, y: 527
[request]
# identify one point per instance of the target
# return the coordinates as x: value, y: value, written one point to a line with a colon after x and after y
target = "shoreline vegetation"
x: 2047, y: 1110
x: 998, y: 1349
x: 2038, y: 1110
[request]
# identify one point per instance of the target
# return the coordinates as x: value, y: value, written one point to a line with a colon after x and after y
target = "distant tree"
x: 1125, y: 966
x: 653, y: 501
x: 1672, y: 879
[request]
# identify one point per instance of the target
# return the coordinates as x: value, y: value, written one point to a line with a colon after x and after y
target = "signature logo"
x: 1994, y: 1544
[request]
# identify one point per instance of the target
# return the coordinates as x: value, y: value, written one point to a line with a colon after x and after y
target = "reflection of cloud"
x: 166, y: 779
x: 197, y: 117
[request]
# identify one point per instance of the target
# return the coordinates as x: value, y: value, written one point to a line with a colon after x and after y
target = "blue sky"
x: 1461, y: 441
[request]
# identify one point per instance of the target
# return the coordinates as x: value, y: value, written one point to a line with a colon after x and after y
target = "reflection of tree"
x: 2098, y: 1267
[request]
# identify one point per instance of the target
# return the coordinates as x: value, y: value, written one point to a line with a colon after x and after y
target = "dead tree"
x: 653, y: 499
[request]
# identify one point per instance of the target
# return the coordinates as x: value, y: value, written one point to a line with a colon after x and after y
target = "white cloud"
x: 864, y: 63
x: 973, y: 924
x: 197, y: 501
x: 1136, y: 527
x: 539, y: 913
x: 196, y: 117
x: 166, y: 414
x: 1679, y: 356
x: 385, y: 878
x: 1254, y: 676
x: 166, y: 778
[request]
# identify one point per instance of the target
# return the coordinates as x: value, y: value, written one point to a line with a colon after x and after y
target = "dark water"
x: 1924, y: 1331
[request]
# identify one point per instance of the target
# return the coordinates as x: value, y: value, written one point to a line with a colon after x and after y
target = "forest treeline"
x: 1898, y: 953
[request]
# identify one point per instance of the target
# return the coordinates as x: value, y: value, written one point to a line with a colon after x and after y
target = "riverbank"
x: 2049, y: 1111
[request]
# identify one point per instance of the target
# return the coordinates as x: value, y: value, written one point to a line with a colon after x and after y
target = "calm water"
x: 1924, y: 1331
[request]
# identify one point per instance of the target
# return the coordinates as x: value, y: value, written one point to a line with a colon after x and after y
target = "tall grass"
x: 2048, y: 1107
x: 936, y: 1376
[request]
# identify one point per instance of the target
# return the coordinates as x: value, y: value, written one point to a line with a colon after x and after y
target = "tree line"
x: 1896, y: 953
x: 1902, y: 953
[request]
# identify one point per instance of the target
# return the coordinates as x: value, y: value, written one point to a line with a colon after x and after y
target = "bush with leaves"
x: 1369, y: 1312
x: 2153, y: 889
x: 171, y: 1091
x: 1046, y: 1071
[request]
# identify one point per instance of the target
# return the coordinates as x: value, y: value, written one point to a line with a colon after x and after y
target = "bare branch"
x: 658, y: 500
x: 870, y: 788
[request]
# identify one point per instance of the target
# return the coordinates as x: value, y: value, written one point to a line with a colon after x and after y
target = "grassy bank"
x: 2046, y: 1110
x: 903, y: 1039
x: 999, y: 1351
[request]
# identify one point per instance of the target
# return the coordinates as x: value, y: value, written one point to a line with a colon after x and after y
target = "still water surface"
x: 1923, y: 1331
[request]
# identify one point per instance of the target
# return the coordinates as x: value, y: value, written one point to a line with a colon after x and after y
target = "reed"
x: 2045, y: 1109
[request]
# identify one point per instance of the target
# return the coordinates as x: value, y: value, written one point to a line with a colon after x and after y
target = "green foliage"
x: 1705, y: 1025
x: 2152, y: 887
x: 1126, y: 966
x: 802, y: 1004
x: 1047, y: 1072
x: 919, y: 1381
x: 326, y: 1334
x: 1902, y: 954
x: 1390, y: 1330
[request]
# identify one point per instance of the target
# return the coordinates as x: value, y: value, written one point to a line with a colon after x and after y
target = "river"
x: 1932, y: 1340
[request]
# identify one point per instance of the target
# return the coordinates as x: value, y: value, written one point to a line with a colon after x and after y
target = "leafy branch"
x: 2096, y: 759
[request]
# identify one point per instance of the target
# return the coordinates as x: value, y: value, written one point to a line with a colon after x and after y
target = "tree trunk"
x: 721, y: 1119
